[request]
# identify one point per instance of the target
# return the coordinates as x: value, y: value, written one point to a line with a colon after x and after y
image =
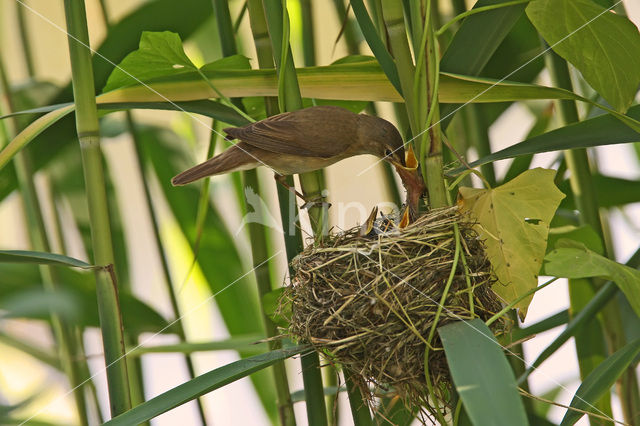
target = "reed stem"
x: 89, y: 137
x: 583, y: 189
x: 62, y: 331
x: 277, y: 20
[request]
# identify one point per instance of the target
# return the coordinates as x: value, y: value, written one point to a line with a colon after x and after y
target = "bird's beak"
x: 405, y: 219
x: 367, y: 226
x: 411, y: 179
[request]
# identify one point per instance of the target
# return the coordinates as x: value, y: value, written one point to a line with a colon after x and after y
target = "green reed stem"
x: 420, y: 89
x: 65, y: 343
x: 292, y: 241
x: 89, y: 137
x: 311, y: 184
x: 585, y: 195
x: 359, y: 407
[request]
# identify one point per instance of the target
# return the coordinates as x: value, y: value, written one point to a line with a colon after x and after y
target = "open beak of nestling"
x: 412, y: 181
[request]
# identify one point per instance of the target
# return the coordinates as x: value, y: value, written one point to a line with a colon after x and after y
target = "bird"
x: 309, y: 139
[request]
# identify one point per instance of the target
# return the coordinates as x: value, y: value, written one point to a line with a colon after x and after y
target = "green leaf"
x: 598, y: 131
x: 247, y: 344
x: 30, y: 132
x: 183, y: 17
x: 475, y: 42
x: 233, y: 62
x: 40, y: 304
x: 575, y: 326
x: 378, y: 48
x: 574, y: 260
x: 600, y: 381
x: 481, y: 374
x: 159, y: 54
x: 513, y: 221
x: 204, y: 107
x: 604, y: 46
x: 478, y: 38
x: 218, y: 256
x: 22, y: 282
x: 27, y: 256
x: 583, y: 234
x: 351, y: 81
x: 610, y: 191
x: 202, y: 385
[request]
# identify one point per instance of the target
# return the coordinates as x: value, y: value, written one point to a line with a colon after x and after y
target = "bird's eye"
x: 388, y: 152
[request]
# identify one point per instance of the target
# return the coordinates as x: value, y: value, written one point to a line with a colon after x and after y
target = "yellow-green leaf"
x: 513, y: 220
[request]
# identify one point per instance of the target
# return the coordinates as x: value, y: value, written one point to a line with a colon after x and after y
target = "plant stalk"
x: 586, y: 201
x: 419, y: 89
x: 265, y: 60
x: 277, y: 20
x: 359, y: 408
x: 25, y: 43
x: 65, y: 342
x: 166, y: 274
x: 432, y: 162
x: 89, y: 137
x: 258, y: 235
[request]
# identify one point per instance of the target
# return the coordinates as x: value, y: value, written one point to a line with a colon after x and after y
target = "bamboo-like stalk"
x: 375, y: 7
x: 293, y: 242
x: 311, y: 184
x: 88, y: 134
x: 353, y: 48
x: 584, y: 192
x: 330, y: 374
x: 432, y: 168
x: 170, y: 288
x: 348, y: 32
x: 479, y: 135
x: 419, y: 90
x: 308, y: 39
x: 394, y: 21
x: 58, y: 243
x: 66, y: 344
x: 359, y: 408
x: 257, y: 232
x: 419, y: 84
x: 25, y: 44
x: 155, y: 227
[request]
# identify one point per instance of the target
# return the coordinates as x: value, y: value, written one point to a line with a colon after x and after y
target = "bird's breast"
x: 287, y: 164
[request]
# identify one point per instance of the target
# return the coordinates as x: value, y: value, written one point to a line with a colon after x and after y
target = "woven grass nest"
x: 369, y: 302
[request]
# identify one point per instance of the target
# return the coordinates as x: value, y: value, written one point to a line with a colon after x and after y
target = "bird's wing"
x: 295, y: 134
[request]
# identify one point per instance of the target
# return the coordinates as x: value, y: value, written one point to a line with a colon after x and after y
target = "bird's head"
x: 383, y: 140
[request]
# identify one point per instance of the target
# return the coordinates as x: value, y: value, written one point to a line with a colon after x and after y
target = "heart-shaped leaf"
x: 513, y: 220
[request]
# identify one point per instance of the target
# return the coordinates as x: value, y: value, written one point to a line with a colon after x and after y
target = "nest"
x: 369, y: 303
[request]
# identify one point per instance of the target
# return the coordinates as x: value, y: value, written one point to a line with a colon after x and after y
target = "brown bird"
x: 309, y: 139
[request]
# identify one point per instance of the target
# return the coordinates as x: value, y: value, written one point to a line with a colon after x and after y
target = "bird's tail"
x: 232, y: 159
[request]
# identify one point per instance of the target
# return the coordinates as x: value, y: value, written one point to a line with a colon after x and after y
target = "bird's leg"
x: 282, y: 180
x: 308, y: 202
